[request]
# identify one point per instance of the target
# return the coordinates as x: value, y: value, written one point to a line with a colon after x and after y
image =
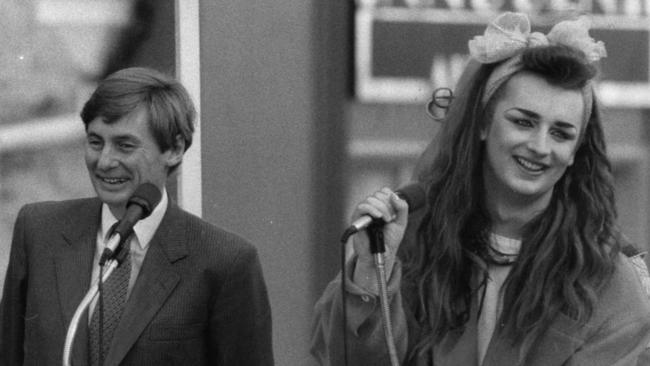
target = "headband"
x: 509, y: 35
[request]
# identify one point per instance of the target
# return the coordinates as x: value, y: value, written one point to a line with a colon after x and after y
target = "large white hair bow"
x: 509, y: 34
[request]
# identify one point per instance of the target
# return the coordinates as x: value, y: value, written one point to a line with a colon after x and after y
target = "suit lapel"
x: 156, y: 281
x: 73, y: 262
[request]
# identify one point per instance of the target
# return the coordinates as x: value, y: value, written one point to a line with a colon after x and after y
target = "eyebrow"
x: 531, y: 114
x: 125, y: 137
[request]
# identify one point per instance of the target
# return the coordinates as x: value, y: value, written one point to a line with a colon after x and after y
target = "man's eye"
x: 95, y: 144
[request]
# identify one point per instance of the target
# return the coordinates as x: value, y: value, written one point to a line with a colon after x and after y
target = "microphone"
x: 414, y: 194
x: 139, y: 206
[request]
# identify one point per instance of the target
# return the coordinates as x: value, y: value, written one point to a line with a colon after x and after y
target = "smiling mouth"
x: 529, y: 165
x: 112, y: 180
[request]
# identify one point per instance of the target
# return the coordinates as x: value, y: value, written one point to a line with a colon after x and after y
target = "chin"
x: 529, y: 190
x: 113, y: 198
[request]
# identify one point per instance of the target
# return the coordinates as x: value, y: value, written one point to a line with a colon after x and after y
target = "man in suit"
x: 195, y: 294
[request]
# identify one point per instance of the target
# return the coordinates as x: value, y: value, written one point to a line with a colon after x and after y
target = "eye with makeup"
x: 521, y: 121
x: 562, y: 134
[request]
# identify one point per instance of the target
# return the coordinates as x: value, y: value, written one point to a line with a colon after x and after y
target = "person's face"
x: 532, y: 137
x: 122, y: 155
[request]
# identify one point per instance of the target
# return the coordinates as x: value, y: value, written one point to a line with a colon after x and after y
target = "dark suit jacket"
x: 200, y: 298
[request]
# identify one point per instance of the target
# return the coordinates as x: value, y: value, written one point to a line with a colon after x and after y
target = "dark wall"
x: 149, y: 40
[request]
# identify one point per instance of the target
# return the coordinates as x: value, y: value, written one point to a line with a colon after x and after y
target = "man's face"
x: 124, y: 154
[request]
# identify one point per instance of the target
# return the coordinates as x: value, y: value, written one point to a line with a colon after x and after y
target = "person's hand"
x: 386, y: 205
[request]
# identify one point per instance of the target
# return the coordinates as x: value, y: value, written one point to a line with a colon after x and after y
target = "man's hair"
x: 167, y: 104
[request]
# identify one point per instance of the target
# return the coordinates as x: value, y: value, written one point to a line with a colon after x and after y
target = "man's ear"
x: 175, y: 153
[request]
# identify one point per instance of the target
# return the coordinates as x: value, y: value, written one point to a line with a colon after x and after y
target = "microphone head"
x: 414, y: 194
x: 147, y: 196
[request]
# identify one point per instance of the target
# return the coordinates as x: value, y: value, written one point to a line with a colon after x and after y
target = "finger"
x: 365, y: 208
x: 383, y: 205
x: 401, y: 207
x: 387, y: 191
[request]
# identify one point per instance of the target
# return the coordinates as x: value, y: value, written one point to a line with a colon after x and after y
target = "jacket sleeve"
x: 624, y: 334
x: 366, y: 343
x: 12, y: 306
x: 618, y: 345
x: 240, y: 327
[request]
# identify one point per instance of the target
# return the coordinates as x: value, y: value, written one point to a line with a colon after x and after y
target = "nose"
x: 539, y: 143
x: 106, y: 159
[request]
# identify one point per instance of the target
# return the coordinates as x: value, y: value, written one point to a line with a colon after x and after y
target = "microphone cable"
x: 377, y: 247
x: 344, y: 301
x: 415, y: 195
x: 100, y: 309
x: 120, y: 256
x: 111, y: 265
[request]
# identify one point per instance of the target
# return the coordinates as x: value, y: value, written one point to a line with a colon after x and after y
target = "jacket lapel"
x: 559, y: 342
x: 156, y: 281
x: 459, y: 347
x: 73, y: 262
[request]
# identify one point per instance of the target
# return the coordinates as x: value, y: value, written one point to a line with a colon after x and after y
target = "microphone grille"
x: 414, y: 194
x: 147, y: 196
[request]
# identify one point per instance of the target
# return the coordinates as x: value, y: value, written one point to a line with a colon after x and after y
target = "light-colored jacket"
x: 616, y: 334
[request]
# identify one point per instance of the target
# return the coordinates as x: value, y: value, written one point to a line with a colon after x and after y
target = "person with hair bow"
x: 516, y: 258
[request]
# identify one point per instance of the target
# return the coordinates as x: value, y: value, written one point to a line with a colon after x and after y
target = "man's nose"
x: 107, y: 158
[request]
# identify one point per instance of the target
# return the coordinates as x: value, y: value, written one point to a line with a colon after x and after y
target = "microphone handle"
x: 363, y: 222
x: 114, y: 248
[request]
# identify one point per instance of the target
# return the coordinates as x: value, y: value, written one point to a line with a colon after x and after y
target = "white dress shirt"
x: 143, y: 232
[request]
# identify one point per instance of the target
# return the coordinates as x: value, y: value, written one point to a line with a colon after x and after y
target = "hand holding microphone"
x: 384, y: 205
x: 392, y: 208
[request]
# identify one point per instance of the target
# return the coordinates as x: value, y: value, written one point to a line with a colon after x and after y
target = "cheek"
x: 565, y: 155
x: 90, y: 157
x: 500, y: 143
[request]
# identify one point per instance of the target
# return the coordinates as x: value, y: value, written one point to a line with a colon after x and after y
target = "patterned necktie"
x: 114, y: 297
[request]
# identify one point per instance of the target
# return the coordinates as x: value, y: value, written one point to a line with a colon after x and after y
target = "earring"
x: 439, y: 104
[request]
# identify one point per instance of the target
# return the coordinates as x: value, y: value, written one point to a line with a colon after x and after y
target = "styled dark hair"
x: 168, y: 106
x: 567, y: 251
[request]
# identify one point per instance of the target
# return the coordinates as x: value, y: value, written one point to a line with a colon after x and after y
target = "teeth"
x: 113, y: 180
x: 530, y: 165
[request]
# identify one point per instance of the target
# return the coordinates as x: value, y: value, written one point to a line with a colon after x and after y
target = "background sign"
x: 403, y: 51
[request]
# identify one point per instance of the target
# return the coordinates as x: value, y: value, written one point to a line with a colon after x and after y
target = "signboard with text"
x: 404, y: 49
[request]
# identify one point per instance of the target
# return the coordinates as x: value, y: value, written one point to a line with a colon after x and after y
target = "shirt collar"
x: 505, y: 245
x: 145, y: 228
